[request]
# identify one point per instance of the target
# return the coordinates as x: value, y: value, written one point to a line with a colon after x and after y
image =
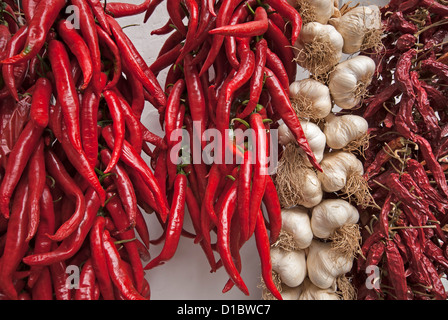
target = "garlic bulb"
x: 314, y: 10
x: 296, y: 222
x: 337, y: 167
x: 356, y: 26
x: 315, y: 136
x: 349, y: 80
x: 310, y: 98
x: 290, y: 265
x: 319, y: 47
x: 341, y: 130
x: 325, y: 265
x: 330, y: 215
x: 296, y: 183
x: 309, y: 291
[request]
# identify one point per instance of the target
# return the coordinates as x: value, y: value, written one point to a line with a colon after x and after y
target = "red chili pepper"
x: 40, y: 106
x: 256, y: 82
x: 119, y: 9
x: 118, y: 271
x: 254, y: 28
x: 172, y: 110
x: 100, y: 14
x: 46, y: 226
x: 275, y: 64
x: 37, y: 178
x: 134, y: 160
x: 273, y: 209
x: 244, y: 194
x: 287, y: 11
x: 43, y: 288
x: 114, y: 106
x: 71, y: 245
x: 114, y: 207
x: 89, y: 120
x: 87, y: 281
x: 29, y: 8
x: 99, y: 262
x: 59, y: 278
x: 227, y: 211
x: 17, y: 161
x: 260, y: 171
x: 38, y: 28
x: 16, y: 244
x: 396, y: 271
x: 193, y: 22
x: 56, y: 169
x: 78, y: 47
x: 263, y: 247
x: 66, y: 91
x: 175, y: 223
x: 280, y: 100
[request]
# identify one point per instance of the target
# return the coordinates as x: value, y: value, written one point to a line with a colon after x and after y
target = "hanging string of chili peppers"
x: 405, y: 162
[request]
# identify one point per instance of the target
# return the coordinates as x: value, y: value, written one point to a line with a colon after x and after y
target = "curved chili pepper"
x: 40, y: 105
x: 60, y: 175
x: 176, y: 15
x: 100, y: 14
x: 273, y: 209
x: 29, y: 8
x: 223, y: 238
x: 59, y: 278
x: 287, y: 11
x: 254, y: 28
x: 275, y: 64
x: 172, y: 110
x: 108, y: 42
x: 78, y: 47
x: 114, y: 207
x: 46, y: 226
x: 17, y: 161
x: 244, y: 194
x: 99, y: 259
x: 119, y: 9
x: 193, y: 22
x: 16, y: 42
x: 263, y: 247
x: 283, y: 106
x: 175, y: 223
x: 256, y: 82
x: 37, y: 178
x: 66, y: 90
x: 124, y: 187
x: 133, y: 160
x: 118, y: 125
x: 89, y: 120
x: 167, y: 59
x: 16, y: 244
x: 117, y: 270
x: 38, y: 28
x: 71, y: 245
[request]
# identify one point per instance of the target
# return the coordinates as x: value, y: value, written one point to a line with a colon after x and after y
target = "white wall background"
x: 187, y: 275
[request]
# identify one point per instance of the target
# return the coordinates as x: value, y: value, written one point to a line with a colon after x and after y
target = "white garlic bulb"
x: 337, y: 168
x: 296, y: 222
x: 290, y: 265
x: 330, y: 215
x: 289, y: 293
x: 325, y: 265
x: 341, y: 130
x: 309, y: 291
x: 319, y: 47
x: 349, y: 80
x: 311, y: 98
x: 355, y: 25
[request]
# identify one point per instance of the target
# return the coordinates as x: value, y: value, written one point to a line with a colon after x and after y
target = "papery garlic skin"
x: 330, y: 215
x: 325, y: 265
x: 296, y: 222
x: 349, y: 79
x: 337, y: 167
x: 312, y: 192
x: 331, y: 43
x: 309, y: 291
x: 290, y: 265
x: 355, y: 24
x: 314, y: 92
x: 341, y: 130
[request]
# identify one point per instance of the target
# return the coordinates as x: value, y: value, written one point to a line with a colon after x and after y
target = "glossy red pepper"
x: 257, y: 27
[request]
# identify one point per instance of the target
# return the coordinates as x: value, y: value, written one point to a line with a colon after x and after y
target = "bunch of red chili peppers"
x: 72, y: 93
x: 228, y: 68
x: 405, y: 243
